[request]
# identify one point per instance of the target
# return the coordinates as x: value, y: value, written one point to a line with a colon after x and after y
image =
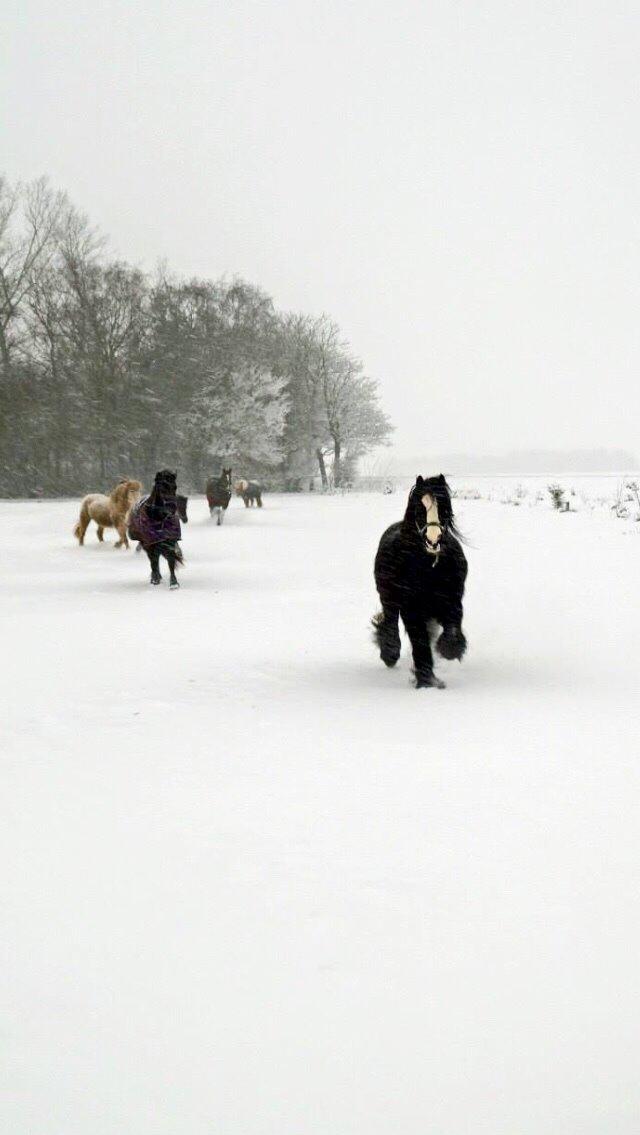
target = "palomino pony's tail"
x: 83, y: 522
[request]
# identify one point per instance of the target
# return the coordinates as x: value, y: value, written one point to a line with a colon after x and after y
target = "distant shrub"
x: 556, y: 492
x: 627, y: 506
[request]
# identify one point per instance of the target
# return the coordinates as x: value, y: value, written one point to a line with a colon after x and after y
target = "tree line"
x: 106, y: 370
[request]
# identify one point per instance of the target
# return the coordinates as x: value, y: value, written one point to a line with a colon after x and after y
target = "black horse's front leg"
x: 172, y: 559
x: 452, y: 642
x: 154, y: 559
x: 448, y: 610
x: 418, y: 631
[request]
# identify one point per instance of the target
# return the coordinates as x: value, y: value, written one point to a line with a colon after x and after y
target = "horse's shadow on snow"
x: 480, y: 675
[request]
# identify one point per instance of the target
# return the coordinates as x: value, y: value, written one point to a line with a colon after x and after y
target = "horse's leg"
x: 220, y: 515
x: 154, y: 559
x: 100, y: 533
x: 387, y: 636
x: 121, y: 528
x: 452, y: 642
x: 418, y: 631
x: 259, y: 500
x: 171, y: 559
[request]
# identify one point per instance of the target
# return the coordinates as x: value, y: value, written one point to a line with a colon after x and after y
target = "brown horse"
x: 109, y: 512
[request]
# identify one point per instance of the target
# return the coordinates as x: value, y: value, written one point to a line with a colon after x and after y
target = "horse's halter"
x: 432, y: 547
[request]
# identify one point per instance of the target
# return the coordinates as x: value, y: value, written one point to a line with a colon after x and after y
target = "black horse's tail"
x: 376, y: 624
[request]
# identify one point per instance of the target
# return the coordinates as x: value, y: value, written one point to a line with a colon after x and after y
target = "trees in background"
x: 105, y: 370
x: 335, y: 412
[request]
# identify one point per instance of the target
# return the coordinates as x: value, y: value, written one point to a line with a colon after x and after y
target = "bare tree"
x: 354, y: 419
x: 30, y: 218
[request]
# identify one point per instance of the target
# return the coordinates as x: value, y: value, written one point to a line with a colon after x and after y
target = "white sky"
x: 456, y: 183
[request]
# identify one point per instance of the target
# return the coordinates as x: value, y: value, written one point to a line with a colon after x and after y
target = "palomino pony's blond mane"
x: 124, y: 494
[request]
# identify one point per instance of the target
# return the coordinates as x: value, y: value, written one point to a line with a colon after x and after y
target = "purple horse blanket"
x: 158, y: 528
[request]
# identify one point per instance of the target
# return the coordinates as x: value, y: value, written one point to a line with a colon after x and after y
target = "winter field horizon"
x: 257, y: 883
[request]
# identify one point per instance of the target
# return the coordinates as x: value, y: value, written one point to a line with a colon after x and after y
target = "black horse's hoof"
x: 173, y: 586
x: 451, y: 645
x: 389, y: 657
x: 155, y: 580
x: 428, y: 680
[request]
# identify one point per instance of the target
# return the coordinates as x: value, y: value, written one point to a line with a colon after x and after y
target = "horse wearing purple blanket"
x: 155, y: 523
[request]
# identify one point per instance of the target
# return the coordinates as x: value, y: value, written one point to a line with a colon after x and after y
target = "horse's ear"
x: 442, y: 479
x: 419, y: 480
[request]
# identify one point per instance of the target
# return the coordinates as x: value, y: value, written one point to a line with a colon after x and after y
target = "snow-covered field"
x: 607, y: 494
x: 256, y: 884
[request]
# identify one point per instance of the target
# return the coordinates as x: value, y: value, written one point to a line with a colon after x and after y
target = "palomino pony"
x: 155, y: 522
x: 420, y: 572
x: 250, y: 491
x: 109, y: 512
x: 219, y: 494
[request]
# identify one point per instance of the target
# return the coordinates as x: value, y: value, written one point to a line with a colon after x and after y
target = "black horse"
x: 181, y: 504
x: 155, y: 523
x: 219, y: 494
x: 420, y: 572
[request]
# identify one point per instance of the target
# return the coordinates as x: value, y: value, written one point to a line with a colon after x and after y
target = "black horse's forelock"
x: 166, y: 477
x: 439, y: 488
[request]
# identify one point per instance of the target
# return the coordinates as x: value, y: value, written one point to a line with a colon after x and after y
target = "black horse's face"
x: 167, y: 482
x: 430, y: 509
x: 226, y: 477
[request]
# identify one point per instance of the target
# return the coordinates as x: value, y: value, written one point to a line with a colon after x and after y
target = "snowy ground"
x: 256, y: 884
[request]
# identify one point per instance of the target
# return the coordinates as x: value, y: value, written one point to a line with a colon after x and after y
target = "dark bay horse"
x: 219, y: 494
x: 155, y: 523
x: 420, y: 573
